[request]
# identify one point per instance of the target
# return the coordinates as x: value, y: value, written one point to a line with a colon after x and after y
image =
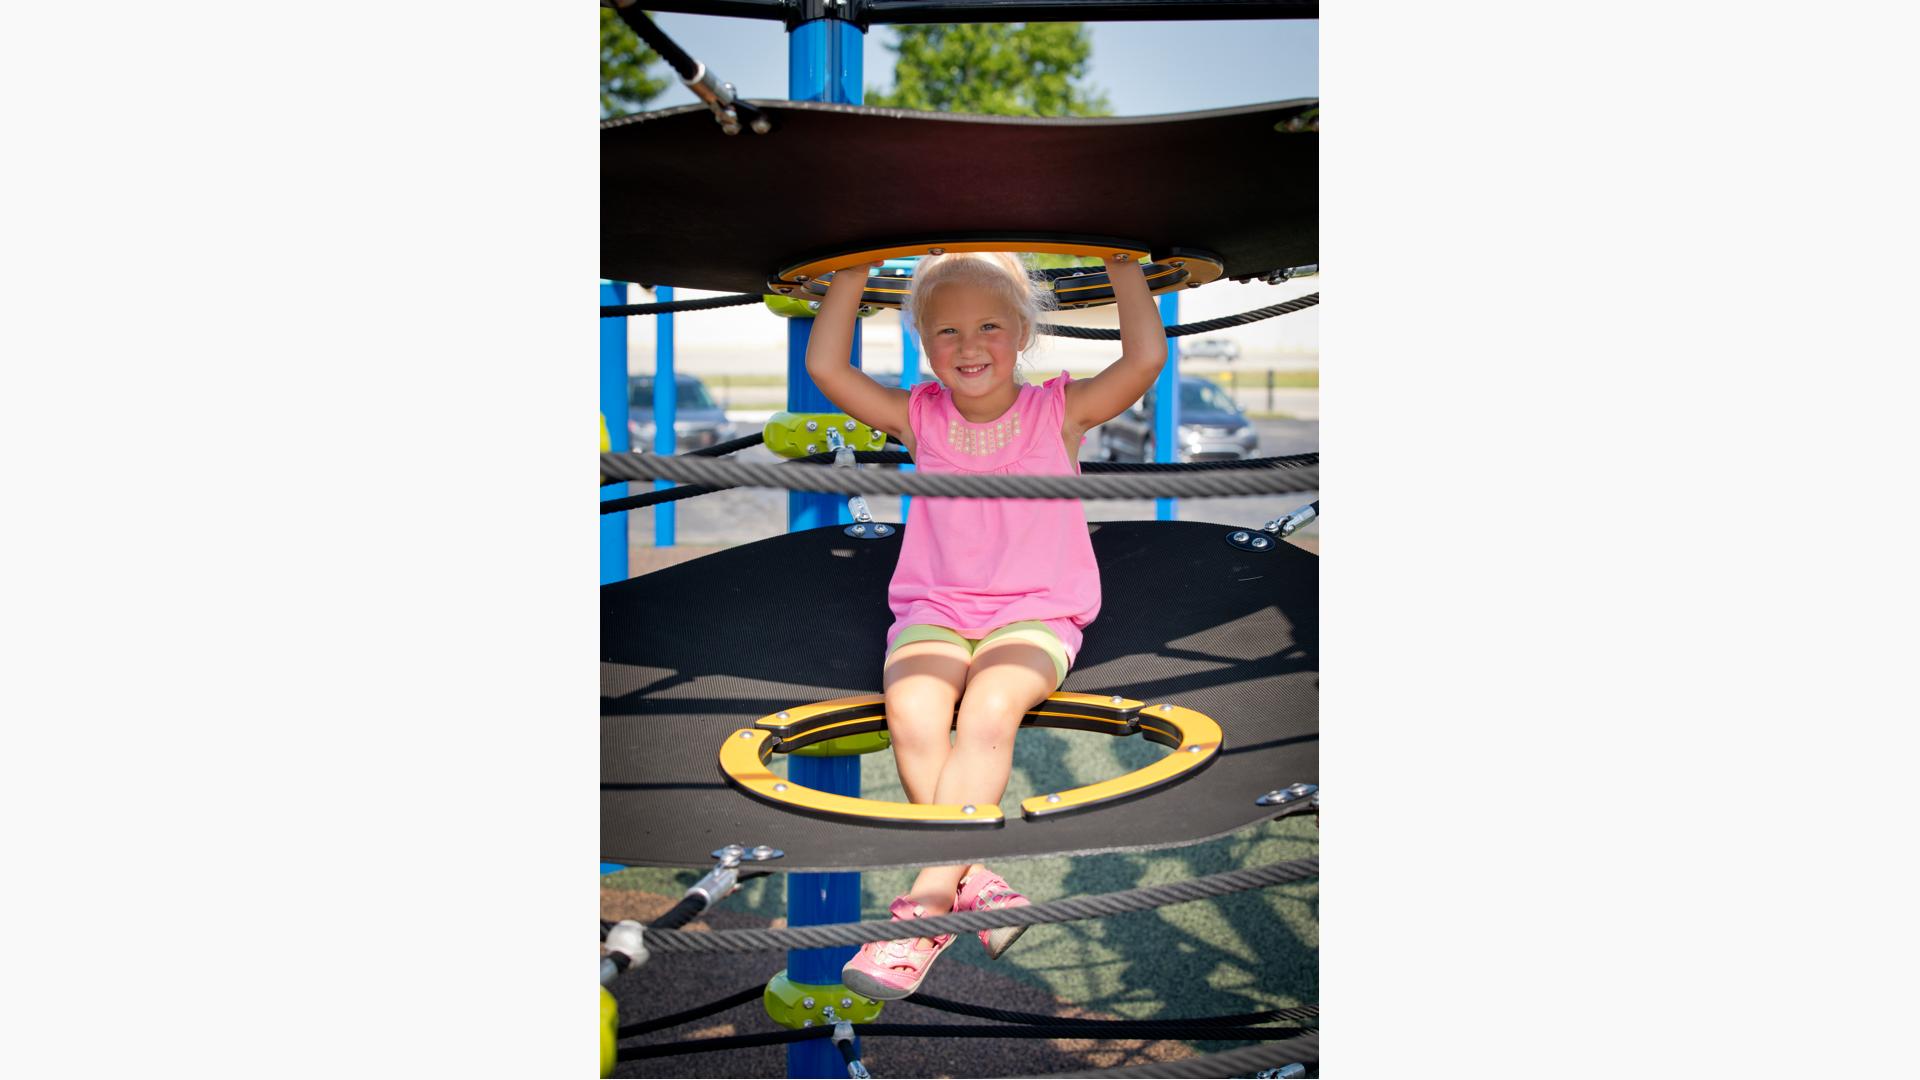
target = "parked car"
x: 1212, y: 427
x: 697, y: 421
x: 1212, y: 348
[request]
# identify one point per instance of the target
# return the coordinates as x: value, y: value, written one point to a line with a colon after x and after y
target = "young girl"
x: 990, y: 595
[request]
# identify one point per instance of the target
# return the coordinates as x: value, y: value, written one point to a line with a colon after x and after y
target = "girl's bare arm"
x: 829, y: 353
x: 1143, y: 352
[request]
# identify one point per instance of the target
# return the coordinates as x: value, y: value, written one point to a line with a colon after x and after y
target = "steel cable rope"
x: 955, y: 1031
x: 895, y: 457
x: 1183, y: 329
x: 613, y: 311
x: 714, y: 473
x: 1053, y: 911
x: 1295, y: 1013
x: 1239, y: 1061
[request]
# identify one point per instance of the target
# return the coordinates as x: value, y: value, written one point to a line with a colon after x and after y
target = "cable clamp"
x: 1299, y: 519
x: 626, y: 948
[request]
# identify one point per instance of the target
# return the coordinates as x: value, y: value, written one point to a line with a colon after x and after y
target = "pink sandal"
x: 988, y: 891
x: 891, y: 970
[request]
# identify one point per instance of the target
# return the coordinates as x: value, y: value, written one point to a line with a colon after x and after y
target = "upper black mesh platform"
x: 684, y: 204
x: 695, y: 651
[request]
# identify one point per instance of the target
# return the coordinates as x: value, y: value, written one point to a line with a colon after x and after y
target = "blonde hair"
x: 999, y: 271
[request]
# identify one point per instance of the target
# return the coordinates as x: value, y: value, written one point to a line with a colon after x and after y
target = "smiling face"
x: 972, y: 337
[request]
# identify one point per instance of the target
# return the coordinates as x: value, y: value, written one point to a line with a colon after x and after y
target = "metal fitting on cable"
x: 1284, y: 1072
x: 1293, y: 522
x: 719, y: 882
x: 843, y: 1038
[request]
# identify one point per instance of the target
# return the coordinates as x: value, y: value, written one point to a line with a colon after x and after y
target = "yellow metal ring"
x: 1178, y: 268
x: 1194, y: 737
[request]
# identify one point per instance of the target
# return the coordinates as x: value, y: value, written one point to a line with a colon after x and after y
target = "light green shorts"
x: 1032, y: 632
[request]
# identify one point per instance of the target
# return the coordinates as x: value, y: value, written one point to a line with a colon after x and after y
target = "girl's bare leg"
x: 1005, y: 679
x: 923, y: 680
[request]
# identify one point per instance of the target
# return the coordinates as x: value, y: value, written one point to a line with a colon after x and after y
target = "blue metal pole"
x: 909, y: 377
x: 666, y: 401
x: 613, y: 409
x: 823, y: 64
x: 1166, y: 413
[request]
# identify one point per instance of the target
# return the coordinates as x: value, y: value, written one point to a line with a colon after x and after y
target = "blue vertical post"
x: 909, y: 376
x: 1166, y: 413
x: 666, y: 401
x: 613, y: 408
x: 823, y: 64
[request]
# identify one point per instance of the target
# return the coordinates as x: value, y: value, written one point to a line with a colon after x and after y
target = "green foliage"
x: 626, y: 85
x: 993, y: 69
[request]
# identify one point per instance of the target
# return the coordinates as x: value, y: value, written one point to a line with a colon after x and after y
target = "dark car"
x: 697, y: 421
x: 1212, y: 427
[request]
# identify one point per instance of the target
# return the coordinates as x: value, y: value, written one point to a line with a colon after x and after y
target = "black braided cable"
x: 1053, y: 911
x: 1183, y: 329
x: 678, y: 915
x: 731, y: 445
x: 751, y: 993
x: 657, y: 40
x: 1239, y: 1061
x: 961, y: 485
x: 615, y: 311
x: 952, y: 1031
x: 983, y: 1012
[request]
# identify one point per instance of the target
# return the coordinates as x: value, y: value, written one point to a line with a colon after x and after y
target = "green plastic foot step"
x: 796, y: 435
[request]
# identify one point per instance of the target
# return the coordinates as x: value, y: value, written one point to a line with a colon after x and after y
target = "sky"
x: 1145, y: 67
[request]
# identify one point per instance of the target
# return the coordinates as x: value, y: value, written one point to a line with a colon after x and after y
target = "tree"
x: 626, y: 84
x: 995, y: 69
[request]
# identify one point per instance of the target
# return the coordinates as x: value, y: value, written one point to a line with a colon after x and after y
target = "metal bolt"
x: 849, y: 425
x: 813, y: 425
x: 936, y: 251
x: 779, y: 787
x: 1117, y: 699
x: 1259, y: 541
x: 746, y: 734
x: 734, y: 850
x: 1166, y: 708
x: 806, y: 1023
x: 1298, y: 789
x: 813, y: 448
x: 1053, y: 798
x: 806, y: 1003
x: 1120, y: 256
x: 781, y: 715
x: 1179, y: 262
x: 967, y: 809
x: 763, y: 851
x: 1240, y: 538
x: 783, y: 290
x: 859, y: 530
x: 846, y: 1003
x: 1193, y: 749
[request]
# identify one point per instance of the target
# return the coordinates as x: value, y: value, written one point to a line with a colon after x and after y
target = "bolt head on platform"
x: 936, y: 251
x: 849, y: 425
x: 1193, y: 749
x: 1259, y: 541
x: 806, y: 1023
x: 806, y: 1003
x: 1053, y: 798
x: 1120, y: 256
x: 967, y: 809
x: 1166, y: 708
x: 813, y: 448
x: 1240, y: 537
x: 813, y: 425
x: 746, y: 734
x: 782, y: 714
x: 1117, y: 699
x: 779, y: 787
x: 846, y: 1003
x: 859, y: 530
x: 763, y: 851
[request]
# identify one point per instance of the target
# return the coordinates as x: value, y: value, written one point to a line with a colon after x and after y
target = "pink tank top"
x: 975, y: 565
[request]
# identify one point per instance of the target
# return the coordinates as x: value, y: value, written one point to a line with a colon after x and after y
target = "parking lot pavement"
x: 741, y: 515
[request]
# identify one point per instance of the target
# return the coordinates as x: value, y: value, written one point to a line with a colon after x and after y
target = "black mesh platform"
x: 695, y: 651
x: 684, y: 204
